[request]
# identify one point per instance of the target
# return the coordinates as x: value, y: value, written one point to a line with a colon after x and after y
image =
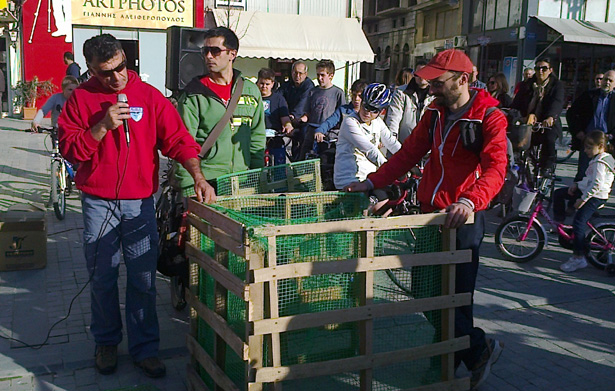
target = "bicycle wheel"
x: 511, y: 247
x: 563, y: 144
x: 57, y: 190
x: 598, y: 253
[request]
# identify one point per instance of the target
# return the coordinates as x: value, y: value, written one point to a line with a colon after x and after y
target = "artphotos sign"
x: 150, y: 14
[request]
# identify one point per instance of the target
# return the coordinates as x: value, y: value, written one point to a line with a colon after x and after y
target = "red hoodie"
x: 452, y: 171
x: 108, y: 168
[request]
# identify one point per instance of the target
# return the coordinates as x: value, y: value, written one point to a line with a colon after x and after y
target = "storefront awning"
x: 580, y: 31
x: 296, y: 36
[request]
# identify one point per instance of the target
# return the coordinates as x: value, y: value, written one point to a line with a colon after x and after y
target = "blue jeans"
x: 125, y: 227
x: 581, y: 217
x: 469, y: 236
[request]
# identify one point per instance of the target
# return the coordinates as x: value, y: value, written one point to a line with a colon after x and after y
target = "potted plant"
x: 29, y: 91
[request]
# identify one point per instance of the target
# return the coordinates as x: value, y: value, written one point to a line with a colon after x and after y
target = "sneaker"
x: 573, y: 263
x: 489, y: 357
x: 152, y: 367
x: 106, y: 359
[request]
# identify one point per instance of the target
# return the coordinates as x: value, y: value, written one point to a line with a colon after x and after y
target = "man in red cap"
x: 466, y: 170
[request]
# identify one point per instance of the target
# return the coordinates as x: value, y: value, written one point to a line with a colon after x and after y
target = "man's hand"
x: 34, y: 127
x: 356, y: 187
x: 572, y: 189
x: 319, y: 137
x: 578, y: 203
x: 531, y: 119
x: 303, y: 118
x: 549, y: 121
x: 457, y: 215
x: 580, y: 135
x: 112, y: 120
x: 204, y: 191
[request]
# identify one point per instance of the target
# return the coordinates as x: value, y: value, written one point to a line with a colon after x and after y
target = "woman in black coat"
x: 541, y: 100
x: 498, y: 88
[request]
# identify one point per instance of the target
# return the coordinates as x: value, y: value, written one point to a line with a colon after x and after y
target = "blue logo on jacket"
x: 136, y: 113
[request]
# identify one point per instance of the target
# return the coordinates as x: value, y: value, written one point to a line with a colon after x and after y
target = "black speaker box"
x: 184, y: 59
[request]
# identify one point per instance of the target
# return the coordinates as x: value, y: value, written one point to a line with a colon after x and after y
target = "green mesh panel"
x: 330, y: 292
x: 295, y: 177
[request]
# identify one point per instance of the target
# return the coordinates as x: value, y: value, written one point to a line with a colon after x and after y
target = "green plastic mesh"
x: 295, y: 177
x: 330, y: 292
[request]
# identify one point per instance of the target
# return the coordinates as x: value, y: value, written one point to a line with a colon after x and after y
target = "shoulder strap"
x: 217, y: 130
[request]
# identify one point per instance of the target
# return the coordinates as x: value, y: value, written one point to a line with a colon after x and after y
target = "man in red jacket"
x: 118, y: 174
x: 460, y: 178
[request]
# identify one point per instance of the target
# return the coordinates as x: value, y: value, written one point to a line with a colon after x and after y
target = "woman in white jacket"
x: 589, y: 194
x: 358, y: 146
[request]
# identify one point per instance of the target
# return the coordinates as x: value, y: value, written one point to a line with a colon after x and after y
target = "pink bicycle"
x: 522, y: 237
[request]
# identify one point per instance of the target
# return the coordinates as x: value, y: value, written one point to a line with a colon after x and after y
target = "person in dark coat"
x: 541, y: 100
x: 594, y: 109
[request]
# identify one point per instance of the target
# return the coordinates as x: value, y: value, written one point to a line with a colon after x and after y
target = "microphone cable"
x: 106, y: 221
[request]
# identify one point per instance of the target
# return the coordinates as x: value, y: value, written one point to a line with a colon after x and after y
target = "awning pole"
x: 547, y: 48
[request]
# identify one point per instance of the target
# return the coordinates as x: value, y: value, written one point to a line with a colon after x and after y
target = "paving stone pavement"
x: 558, y: 328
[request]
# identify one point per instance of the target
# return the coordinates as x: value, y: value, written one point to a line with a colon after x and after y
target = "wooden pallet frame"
x: 259, y: 291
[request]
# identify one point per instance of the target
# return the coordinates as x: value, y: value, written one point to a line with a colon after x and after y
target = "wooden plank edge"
x: 356, y: 314
x: 195, y: 383
x: 209, y: 365
x: 237, y: 247
x: 221, y: 221
x: 221, y: 274
x: 219, y: 326
x: 357, y: 265
x: 358, y: 363
x: 367, y: 224
x: 461, y: 384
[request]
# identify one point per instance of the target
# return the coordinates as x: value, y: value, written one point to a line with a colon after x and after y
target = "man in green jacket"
x: 241, y: 145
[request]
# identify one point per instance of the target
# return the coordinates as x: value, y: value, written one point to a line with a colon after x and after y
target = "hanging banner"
x: 149, y: 14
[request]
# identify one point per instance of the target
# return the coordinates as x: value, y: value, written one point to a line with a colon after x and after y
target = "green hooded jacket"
x: 240, y: 146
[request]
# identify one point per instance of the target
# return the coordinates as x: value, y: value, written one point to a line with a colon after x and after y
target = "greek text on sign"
x: 150, y: 14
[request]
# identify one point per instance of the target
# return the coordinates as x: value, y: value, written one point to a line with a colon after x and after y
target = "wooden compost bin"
x: 259, y: 344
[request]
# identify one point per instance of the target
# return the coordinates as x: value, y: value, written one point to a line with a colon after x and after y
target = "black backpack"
x: 472, y: 138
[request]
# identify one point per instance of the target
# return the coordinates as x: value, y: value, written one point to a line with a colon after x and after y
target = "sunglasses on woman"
x: 214, y: 50
x: 543, y: 68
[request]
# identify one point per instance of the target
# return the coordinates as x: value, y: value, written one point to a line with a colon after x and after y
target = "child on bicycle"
x: 55, y: 103
x: 588, y: 195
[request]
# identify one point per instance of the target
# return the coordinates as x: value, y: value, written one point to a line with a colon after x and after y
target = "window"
x: 429, y: 25
x: 501, y: 14
x: 446, y: 24
x: 595, y: 10
x: 490, y: 15
x: 376, y: 28
x: 394, y: 23
x: 402, y: 22
x: 477, y: 15
x: 514, y: 16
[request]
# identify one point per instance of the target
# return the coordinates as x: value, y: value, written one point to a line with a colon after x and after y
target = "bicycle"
x: 564, y: 143
x: 62, y: 175
x: 523, y: 237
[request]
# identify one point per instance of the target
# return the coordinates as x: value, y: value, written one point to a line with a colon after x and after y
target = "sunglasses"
x: 598, y: 78
x: 370, y: 109
x: 543, y: 68
x: 111, y: 72
x: 439, y: 83
x: 214, y: 50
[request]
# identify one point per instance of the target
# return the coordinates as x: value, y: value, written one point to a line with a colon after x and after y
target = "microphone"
x: 124, y: 99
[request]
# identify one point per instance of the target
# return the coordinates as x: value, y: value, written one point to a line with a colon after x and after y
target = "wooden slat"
x: 218, y: 272
x: 220, y: 237
x: 256, y: 312
x: 219, y: 325
x: 305, y: 269
x: 303, y: 321
x: 208, y: 364
x: 369, y: 224
x: 462, y: 384
x: 220, y: 308
x: 353, y: 364
x: 195, y: 383
x: 366, y: 327
x: 226, y: 224
x: 274, y: 303
x: 449, y: 238
x: 294, y: 181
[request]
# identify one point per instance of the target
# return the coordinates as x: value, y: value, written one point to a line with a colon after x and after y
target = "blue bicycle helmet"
x: 376, y: 96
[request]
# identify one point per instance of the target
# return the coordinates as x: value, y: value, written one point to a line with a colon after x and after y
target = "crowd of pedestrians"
x: 224, y: 123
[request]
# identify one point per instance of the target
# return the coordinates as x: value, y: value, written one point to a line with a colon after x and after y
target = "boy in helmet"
x: 361, y: 133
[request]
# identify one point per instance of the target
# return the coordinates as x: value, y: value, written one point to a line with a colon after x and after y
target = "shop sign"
x: 150, y: 14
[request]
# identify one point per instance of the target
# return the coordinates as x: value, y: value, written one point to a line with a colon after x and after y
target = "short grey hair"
x: 299, y: 62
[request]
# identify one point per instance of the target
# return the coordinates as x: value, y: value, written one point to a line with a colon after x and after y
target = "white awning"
x: 579, y: 30
x: 287, y: 36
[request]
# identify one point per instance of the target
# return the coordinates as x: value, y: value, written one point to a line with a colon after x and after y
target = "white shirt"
x: 598, y: 177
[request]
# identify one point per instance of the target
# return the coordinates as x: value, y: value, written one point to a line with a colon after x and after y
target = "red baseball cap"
x: 446, y: 60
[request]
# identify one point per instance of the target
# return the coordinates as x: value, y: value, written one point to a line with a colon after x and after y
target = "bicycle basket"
x: 523, y: 199
x: 520, y: 136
